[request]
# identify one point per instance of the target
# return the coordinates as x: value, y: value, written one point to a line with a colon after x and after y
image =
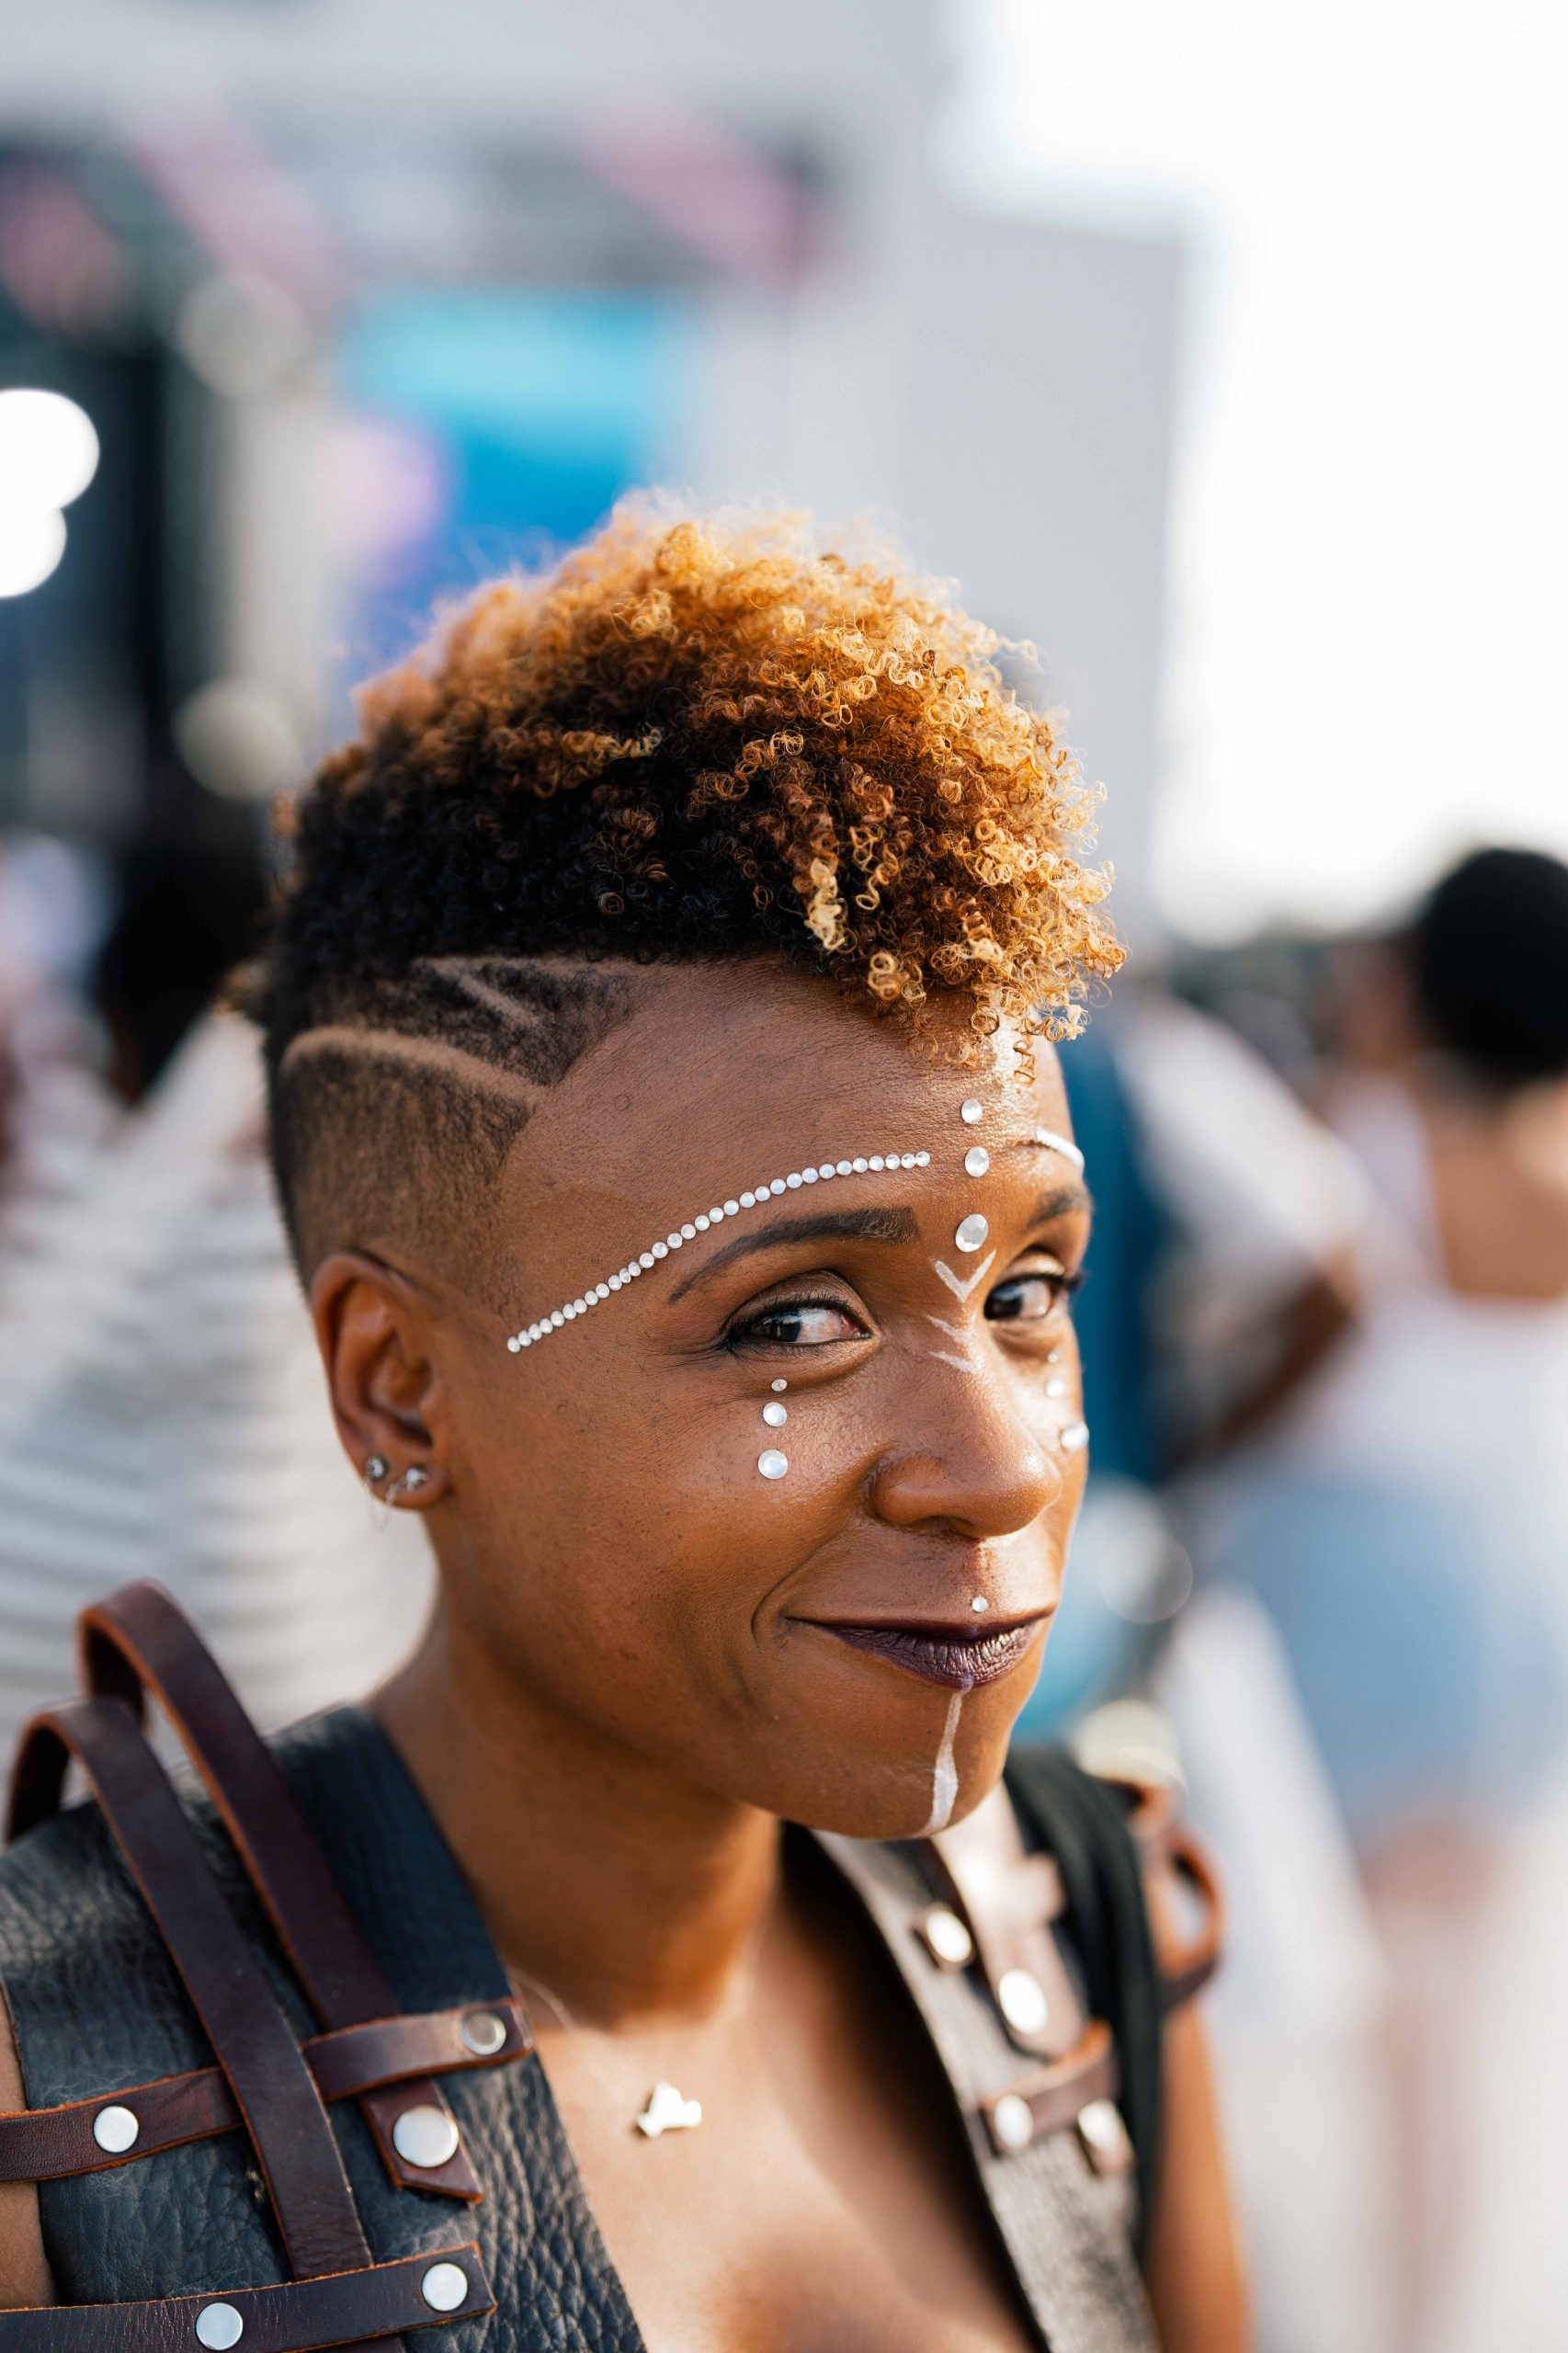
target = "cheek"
x: 615, y: 1507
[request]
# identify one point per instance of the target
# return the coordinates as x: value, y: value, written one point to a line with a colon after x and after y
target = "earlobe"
x: 380, y: 1380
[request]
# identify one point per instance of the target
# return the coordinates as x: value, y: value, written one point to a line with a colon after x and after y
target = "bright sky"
x: 1371, y: 529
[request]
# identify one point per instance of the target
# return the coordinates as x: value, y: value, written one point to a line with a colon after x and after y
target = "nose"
x: 976, y: 1471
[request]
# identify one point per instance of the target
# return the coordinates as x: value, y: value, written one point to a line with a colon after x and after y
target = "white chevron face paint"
x: 963, y: 1287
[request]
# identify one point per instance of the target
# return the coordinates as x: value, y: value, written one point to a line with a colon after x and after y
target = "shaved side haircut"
x: 695, y: 739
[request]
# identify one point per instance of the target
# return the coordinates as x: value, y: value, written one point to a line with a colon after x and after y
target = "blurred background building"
x: 1216, y: 354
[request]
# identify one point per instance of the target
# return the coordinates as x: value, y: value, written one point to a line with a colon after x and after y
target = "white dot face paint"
x: 945, y: 1778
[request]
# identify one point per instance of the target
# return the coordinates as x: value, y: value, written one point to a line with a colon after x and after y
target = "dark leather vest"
x: 103, y: 2018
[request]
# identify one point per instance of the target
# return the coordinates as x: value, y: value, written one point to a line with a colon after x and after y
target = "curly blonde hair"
x: 696, y: 737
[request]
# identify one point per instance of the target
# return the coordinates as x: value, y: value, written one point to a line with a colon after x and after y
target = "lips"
x: 959, y: 1658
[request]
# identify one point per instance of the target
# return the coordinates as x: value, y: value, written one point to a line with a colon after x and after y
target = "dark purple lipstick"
x: 959, y: 1657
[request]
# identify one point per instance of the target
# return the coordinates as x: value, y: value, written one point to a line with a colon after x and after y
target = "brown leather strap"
x: 1187, y: 1967
x: 1009, y: 1898
x: 1056, y: 2095
x: 251, y: 2038
x: 1171, y: 1853
x: 53, y: 2143
x: 344, y: 2308
x: 139, y: 1639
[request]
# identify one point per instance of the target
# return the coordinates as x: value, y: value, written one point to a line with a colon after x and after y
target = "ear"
x: 384, y: 1388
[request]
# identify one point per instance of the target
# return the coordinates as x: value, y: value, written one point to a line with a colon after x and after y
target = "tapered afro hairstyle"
x: 695, y: 738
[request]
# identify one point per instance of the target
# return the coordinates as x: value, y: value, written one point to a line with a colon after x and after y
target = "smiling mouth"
x: 959, y: 1657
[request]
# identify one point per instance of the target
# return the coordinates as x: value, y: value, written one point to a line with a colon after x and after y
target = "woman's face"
x: 806, y: 1641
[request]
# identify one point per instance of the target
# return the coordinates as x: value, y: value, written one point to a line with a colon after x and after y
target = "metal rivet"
x: 775, y: 1414
x: 971, y: 1113
x: 425, y: 2137
x: 1105, y: 2136
x: 483, y: 2032
x: 1022, y: 2001
x: 972, y: 1233
x: 976, y: 1160
x: 117, y: 2130
x: 217, y: 2326
x: 1012, y: 2121
x: 445, y: 2287
x: 947, y: 1938
x: 772, y: 1464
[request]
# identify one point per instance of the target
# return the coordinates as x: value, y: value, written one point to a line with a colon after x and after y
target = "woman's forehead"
x: 722, y: 1068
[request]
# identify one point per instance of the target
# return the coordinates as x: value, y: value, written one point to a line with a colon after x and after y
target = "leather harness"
x: 969, y: 1919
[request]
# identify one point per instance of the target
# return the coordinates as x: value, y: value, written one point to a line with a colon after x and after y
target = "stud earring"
x: 412, y: 1480
x: 375, y: 1470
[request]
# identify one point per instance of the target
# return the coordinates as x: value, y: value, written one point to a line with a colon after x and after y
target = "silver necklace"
x: 667, y: 2109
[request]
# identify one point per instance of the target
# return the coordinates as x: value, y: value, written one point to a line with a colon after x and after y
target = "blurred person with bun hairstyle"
x: 658, y: 1019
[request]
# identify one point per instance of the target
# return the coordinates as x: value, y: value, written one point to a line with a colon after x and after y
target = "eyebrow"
x: 1061, y: 1201
x: 837, y: 1225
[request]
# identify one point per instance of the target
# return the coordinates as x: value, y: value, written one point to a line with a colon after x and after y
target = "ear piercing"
x: 874, y: 1164
x: 409, y: 1484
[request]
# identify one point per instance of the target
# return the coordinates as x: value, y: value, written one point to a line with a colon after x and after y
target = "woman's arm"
x: 1193, y: 2267
x: 24, y: 2272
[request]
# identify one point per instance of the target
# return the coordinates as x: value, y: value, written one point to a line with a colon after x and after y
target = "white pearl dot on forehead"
x: 972, y: 1233
x: 775, y: 1414
x: 874, y: 1164
x: 772, y: 1464
x: 971, y: 1113
x: 976, y: 1161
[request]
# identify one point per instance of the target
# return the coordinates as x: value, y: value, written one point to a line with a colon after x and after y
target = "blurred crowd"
x: 1322, y: 1573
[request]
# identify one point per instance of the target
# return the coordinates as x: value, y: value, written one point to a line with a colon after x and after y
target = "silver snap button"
x: 1022, y: 2001
x: 1012, y: 2120
x: 1105, y: 2136
x: 116, y: 2130
x: 217, y: 2326
x: 947, y: 1938
x: 425, y: 2137
x: 483, y: 2032
x: 445, y: 2287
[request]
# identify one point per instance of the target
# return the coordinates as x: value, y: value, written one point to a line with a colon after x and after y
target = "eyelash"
x: 1063, y: 1287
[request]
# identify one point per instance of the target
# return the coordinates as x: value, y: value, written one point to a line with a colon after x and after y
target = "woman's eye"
x: 804, y: 1325
x: 1028, y: 1299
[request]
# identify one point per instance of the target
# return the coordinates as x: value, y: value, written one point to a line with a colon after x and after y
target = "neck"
x: 620, y: 1890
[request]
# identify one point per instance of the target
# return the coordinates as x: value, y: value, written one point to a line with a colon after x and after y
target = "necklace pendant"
x: 668, y: 2111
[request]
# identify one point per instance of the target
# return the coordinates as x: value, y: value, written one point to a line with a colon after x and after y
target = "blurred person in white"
x: 1246, y: 1286
x: 1406, y: 1523
x: 162, y: 1412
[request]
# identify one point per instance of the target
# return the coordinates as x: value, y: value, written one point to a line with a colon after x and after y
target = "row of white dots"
x: 862, y: 1164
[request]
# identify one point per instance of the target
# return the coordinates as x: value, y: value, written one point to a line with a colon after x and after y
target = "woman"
x: 684, y: 1195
